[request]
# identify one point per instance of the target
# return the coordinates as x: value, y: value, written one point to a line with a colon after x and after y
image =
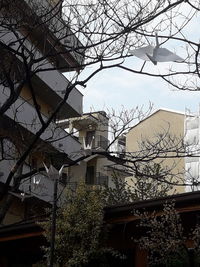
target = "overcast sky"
x: 115, y: 88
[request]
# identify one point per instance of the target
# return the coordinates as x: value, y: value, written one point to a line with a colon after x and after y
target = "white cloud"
x: 113, y: 88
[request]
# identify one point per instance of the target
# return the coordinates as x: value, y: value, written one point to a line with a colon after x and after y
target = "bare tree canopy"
x: 40, y: 40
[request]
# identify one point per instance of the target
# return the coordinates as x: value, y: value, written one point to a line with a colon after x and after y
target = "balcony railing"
x: 57, y: 84
x: 97, y: 179
x: 38, y: 185
x: 99, y: 141
x: 25, y: 116
x: 56, y: 25
x: 42, y: 187
x: 50, y: 84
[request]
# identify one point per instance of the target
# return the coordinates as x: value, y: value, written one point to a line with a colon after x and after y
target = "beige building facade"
x: 158, y: 132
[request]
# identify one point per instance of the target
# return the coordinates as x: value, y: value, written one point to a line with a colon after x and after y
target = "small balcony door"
x: 90, y: 175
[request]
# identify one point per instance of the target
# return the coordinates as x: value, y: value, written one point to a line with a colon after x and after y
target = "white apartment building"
x: 38, y: 39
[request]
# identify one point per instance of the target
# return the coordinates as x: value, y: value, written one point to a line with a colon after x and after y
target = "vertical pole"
x: 53, y: 223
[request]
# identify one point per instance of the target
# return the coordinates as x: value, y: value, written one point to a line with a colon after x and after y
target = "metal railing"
x: 97, y: 179
x: 98, y: 141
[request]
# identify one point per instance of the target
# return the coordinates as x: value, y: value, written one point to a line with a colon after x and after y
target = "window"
x: 90, y: 175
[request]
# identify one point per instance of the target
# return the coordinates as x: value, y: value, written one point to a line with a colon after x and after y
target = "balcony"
x: 60, y: 38
x: 44, y: 190
x: 50, y: 32
x: 97, y: 178
x: 92, y: 121
x: 24, y: 114
x: 50, y: 86
x: 99, y: 141
x: 39, y: 186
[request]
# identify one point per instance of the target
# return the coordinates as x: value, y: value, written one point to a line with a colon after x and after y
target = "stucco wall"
x: 161, y: 122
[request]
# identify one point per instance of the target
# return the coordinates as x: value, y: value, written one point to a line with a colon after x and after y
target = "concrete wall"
x: 78, y: 172
x: 97, y: 122
x: 51, y: 85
